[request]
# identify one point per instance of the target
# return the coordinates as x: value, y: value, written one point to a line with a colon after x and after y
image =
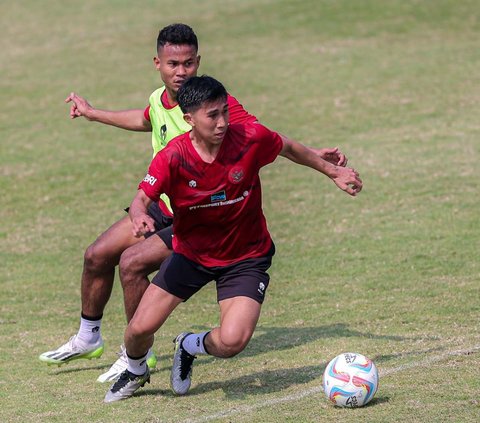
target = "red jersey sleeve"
x: 146, y: 113
x: 237, y: 113
x: 270, y: 144
x: 157, y: 180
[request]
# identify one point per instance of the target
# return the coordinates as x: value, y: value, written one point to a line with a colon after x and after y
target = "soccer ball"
x: 350, y: 380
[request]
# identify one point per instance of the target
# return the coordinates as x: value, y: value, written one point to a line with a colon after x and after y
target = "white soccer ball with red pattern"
x: 350, y: 380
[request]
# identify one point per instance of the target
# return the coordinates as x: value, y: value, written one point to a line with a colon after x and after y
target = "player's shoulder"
x: 177, y: 145
x: 231, y: 99
x: 156, y: 96
x: 249, y: 132
x: 158, y: 92
x: 250, y: 128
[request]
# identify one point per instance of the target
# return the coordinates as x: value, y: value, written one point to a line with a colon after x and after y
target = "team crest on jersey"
x: 163, y: 132
x: 236, y: 174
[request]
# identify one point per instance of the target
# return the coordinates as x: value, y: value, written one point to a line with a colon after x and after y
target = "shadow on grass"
x: 259, y: 383
x: 268, y: 339
x: 279, y: 338
x: 73, y: 368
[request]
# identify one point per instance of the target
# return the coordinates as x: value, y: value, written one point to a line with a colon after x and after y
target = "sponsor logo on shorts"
x: 261, y: 288
x: 149, y: 179
x: 192, y: 184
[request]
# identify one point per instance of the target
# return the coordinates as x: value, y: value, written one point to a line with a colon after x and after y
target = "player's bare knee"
x: 136, y: 331
x: 93, y: 258
x: 229, y: 351
x: 127, y: 265
x: 233, y: 344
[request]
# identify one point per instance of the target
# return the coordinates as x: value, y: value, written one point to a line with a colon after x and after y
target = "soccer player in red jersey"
x: 177, y: 59
x: 211, y: 175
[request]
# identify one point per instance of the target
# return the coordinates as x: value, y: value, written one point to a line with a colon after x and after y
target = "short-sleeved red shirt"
x: 217, y: 206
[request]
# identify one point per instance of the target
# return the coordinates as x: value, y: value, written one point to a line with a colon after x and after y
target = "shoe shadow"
x: 81, y: 367
x: 262, y: 383
x: 258, y: 383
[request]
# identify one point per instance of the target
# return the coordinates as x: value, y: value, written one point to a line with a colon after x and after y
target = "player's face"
x: 210, y: 122
x: 176, y: 63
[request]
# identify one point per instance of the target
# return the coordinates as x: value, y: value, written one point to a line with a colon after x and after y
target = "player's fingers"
x: 357, y: 184
x: 70, y: 97
x: 349, y: 190
x: 342, y: 160
x: 344, y: 187
x: 138, y: 232
x: 356, y: 180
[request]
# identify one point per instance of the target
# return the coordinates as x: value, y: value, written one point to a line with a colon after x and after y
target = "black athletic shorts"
x: 183, y: 277
x: 163, y: 224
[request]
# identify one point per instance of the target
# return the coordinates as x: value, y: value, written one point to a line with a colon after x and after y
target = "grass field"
x: 393, y: 273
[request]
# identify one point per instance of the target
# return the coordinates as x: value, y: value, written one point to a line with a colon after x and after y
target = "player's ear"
x: 198, y: 60
x: 156, y: 62
x: 188, y: 118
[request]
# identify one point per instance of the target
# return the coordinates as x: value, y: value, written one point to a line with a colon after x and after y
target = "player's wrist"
x: 91, y: 114
x: 331, y: 170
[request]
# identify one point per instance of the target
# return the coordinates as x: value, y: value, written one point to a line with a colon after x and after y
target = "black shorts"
x: 163, y: 224
x: 183, y: 277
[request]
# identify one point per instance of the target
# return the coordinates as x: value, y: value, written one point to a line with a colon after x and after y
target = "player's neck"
x: 169, y: 98
x: 206, y: 150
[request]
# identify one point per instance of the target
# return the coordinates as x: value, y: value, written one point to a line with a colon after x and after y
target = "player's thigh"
x: 116, y: 239
x: 238, y: 319
x: 145, y: 256
x: 154, y: 308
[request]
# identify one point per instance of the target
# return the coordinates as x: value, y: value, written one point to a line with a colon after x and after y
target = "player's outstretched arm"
x: 332, y: 155
x: 132, y: 119
x: 347, y: 179
x: 141, y: 221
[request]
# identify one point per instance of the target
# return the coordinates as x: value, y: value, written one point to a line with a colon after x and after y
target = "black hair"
x: 177, y: 34
x: 197, y: 90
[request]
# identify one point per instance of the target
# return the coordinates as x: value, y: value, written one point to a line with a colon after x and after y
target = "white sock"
x: 137, y: 366
x: 194, y: 343
x: 89, y: 332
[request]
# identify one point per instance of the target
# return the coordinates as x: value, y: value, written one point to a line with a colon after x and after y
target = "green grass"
x: 393, y: 273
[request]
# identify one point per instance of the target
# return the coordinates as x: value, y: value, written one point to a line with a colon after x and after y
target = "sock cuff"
x: 136, y: 358
x: 92, y: 319
x: 203, y: 341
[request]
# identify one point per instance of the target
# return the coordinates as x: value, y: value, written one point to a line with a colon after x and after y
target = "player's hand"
x: 348, y: 180
x: 332, y: 155
x: 79, y: 106
x: 142, y: 224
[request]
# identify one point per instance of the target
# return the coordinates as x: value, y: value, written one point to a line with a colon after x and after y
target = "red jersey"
x: 217, y: 206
